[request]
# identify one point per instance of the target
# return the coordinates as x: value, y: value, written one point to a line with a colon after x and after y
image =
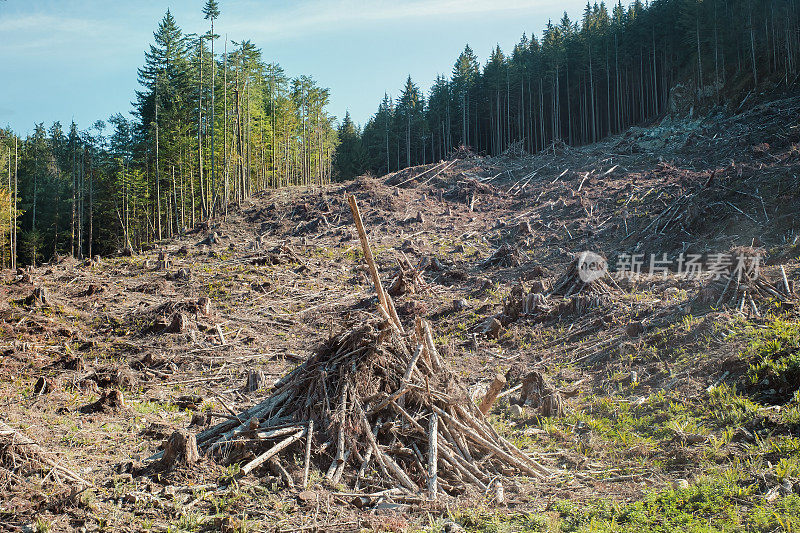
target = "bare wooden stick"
x: 453, y: 162
x: 786, y: 282
x: 433, y: 456
x: 491, y: 395
x: 512, y: 390
x: 337, y: 474
x: 340, y: 446
x: 267, y: 455
x: 417, y: 176
x: 432, y: 352
x: 367, y: 456
x: 307, y: 464
x: 278, y: 432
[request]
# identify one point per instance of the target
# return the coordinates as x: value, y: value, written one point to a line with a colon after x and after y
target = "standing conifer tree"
x: 211, y: 11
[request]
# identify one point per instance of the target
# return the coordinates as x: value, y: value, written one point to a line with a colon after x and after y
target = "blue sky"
x: 77, y: 59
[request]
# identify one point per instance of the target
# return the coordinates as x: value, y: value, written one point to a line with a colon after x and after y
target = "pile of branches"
x: 377, y: 411
x: 506, y: 256
x: 409, y: 279
x: 744, y: 286
x: 572, y: 283
x: 279, y: 255
x: 516, y: 150
x: 20, y: 456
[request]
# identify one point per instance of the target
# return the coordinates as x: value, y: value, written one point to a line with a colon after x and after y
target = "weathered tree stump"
x: 255, y: 380
x: 42, y: 386
x: 38, y: 298
x: 163, y: 261
x: 180, y: 449
x: 110, y: 400
x: 204, y: 305
x: 492, y: 328
x: 634, y: 329
x: 539, y: 393
x: 179, y: 324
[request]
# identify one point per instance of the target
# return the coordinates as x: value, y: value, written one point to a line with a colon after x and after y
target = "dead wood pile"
x: 378, y: 410
x: 576, y: 282
x: 20, y: 456
x: 744, y: 286
x: 505, y: 256
x: 409, y: 279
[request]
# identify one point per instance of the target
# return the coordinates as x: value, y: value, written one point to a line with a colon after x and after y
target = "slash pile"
x: 377, y: 410
x: 572, y: 283
x: 744, y: 286
x: 21, y: 454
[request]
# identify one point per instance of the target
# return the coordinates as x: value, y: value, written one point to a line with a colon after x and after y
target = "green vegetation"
x: 773, y: 354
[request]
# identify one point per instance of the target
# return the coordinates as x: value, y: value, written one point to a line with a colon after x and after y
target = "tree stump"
x: 204, y: 305
x: 109, y: 400
x: 492, y: 328
x: 539, y: 393
x: 38, y: 298
x: 634, y: 329
x: 163, y: 261
x: 180, y: 449
x: 255, y: 380
x: 179, y: 324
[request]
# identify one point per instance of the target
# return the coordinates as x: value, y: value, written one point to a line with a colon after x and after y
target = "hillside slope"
x: 679, y: 391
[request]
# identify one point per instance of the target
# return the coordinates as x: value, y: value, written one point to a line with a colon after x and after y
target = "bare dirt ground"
x: 648, y: 367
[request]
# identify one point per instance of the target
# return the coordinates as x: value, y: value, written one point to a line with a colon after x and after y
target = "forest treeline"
x: 213, y: 123
x: 211, y: 127
x: 582, y: 81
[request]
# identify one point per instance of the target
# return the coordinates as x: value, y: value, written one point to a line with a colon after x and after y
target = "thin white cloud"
x: 328, y: 16
x: 45, y: 33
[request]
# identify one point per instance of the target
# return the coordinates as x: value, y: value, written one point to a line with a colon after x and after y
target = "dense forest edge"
x: 583, y: 81
x: 210, y: 129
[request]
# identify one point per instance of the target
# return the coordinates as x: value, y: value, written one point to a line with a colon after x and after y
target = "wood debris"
x: 377, y: 409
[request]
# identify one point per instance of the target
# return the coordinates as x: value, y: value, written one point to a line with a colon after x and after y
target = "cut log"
x: 264, y: 457
x: 497, y: 385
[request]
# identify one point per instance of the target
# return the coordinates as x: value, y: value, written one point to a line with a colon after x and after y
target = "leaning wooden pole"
x: 383, y: 298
